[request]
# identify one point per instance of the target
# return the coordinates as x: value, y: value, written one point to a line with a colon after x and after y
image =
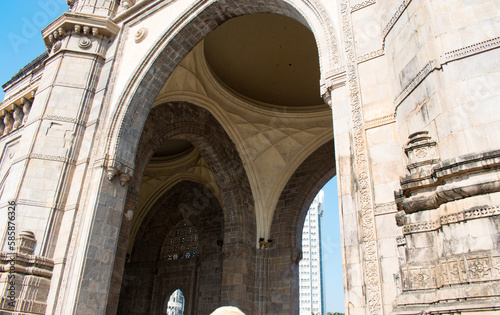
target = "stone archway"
x: 182, y: 120
x: 288, y: 220
x: 123, y: 133
x: 176, y: 248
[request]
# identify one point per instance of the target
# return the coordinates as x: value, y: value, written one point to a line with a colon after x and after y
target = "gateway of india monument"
x: 164, y: 145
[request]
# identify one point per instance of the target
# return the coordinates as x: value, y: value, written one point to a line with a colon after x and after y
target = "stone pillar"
x: 57, y: 137
x: 238, y: 276
x: 360, y: 259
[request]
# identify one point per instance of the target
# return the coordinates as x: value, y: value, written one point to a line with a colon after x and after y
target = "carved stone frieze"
x: 401, y: 240
x: 385, y: 208
x: 381, y: 121
x: 419, y: 77
x: 395, y: 18
x: 471, y: 50
x: 371, y: 55
x: 471, y: 268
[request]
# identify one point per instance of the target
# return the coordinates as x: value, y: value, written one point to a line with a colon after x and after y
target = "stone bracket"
x: 115, y: 168
x: 462, y: 177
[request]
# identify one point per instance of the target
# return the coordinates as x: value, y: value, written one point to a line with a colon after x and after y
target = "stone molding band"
x: 381, y: 121
x: 471, y: 214
x: 470, y: 50
x: 385, y: 208
x: 371, y: 55
x: 394, y: 19
x: 449, y: 56
x: 362, y: 5
x: 421, y: 75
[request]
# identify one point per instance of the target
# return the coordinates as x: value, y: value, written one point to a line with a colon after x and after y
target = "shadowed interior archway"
x: 288, y: 221
x: 179, y: 225
x: 183, y: 120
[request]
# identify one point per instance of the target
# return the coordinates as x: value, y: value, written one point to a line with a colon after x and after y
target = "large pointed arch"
x: 121, y: 133
x: 136, y: 100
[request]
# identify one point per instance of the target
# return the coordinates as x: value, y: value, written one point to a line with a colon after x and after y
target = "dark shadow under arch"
x: 149, y: 277
x: 183, y: 120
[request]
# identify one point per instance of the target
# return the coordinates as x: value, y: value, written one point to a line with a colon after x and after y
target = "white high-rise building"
x: 310, y: 267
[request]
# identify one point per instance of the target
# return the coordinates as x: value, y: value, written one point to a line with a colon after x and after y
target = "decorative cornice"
x: 371, y: 55
x: 395, y: 18
x: 470, y: 50
x: 72, y: 23
x: 381, y: 121
x: 362, y: 5
x: 471, y: 214
x: 37, y: 63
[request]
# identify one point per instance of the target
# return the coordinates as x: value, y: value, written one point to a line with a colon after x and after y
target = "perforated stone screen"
x: 181, y: 242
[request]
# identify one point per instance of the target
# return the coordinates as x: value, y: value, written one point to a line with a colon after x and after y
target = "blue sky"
x: 21, y: 23
x: 21, y: 41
